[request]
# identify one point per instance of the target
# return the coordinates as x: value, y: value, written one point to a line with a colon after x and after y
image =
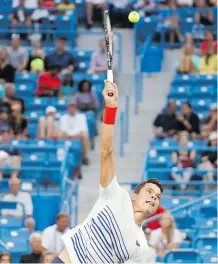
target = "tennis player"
x: 112, y: 233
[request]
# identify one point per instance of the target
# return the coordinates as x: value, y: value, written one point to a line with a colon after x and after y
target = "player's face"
x: 148, y: 199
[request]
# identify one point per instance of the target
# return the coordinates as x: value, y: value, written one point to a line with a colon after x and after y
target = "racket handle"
x: 110, y: 75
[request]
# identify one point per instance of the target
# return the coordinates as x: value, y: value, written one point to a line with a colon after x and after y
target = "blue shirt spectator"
x: 61, y: 57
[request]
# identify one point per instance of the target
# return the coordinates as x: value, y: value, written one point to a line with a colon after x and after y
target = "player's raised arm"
x: 107, y: 133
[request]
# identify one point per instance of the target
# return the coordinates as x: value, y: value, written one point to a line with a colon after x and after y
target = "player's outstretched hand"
x: 110, y: 89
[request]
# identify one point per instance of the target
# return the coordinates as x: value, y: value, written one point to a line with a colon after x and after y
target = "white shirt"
x: 155, y: 239
x: 39, y: 14
x: 119, y: 4
x: 28, y: 3
x: 51, y: 239
x: 73, y: 125
x: 22, y: 197
x: 95, y: 2
x: 109, y: 234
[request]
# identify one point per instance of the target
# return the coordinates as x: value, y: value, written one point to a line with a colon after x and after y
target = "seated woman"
x: 67, y: 85
x: 86, y: 99
x: 18, y: 122
x: 167, y: 237
x: 208, y: 62
x: 204, y: 16
x: 183, y: 159
x: 189, y: 61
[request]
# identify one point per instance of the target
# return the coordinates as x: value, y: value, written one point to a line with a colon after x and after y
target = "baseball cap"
x: 14, y: 36
x: 50, y: 109
x: 213, y: 135
x: 213, y: 107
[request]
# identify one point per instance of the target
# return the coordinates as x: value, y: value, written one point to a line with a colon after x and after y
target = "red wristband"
x: 110, y: 115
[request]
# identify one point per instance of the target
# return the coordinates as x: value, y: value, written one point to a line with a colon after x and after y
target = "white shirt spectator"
x: 51, y: 239
x: 39, y: 14
x: 28, y: 3
x: 95, y: 2
x: 73, y: 124
x: 17, y: 56
x: 119, y: 4
x: 155, y: 239
x: 22, y: 197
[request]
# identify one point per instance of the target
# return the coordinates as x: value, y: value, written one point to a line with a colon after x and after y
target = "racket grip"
x: 110, y: 76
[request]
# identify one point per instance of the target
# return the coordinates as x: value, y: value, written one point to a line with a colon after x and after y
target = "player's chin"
x: 150, y: 210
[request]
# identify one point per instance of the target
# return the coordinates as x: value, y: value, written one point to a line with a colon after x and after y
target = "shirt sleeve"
x: 157, y: 121
x: 154, y: 238
x: 177, y: 237
x: 84, y: 125
x: 93, y: 61
x: 111, y: 191
x: 28, y: 204
x: 46, y: 239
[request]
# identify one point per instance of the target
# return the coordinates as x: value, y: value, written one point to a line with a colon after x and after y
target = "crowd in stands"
x: 204, y: 60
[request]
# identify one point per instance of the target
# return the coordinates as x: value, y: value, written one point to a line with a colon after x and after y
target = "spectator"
x: 188, y: 121
x: 47, y: 257
x: 51, y: 237
x: 48, y: 4
x: 209, y: 159
x: 189, y: 40
x: 36, y: 246
x: 39, y: 13
x: 49, y: 83
x: 165, y: 124
x: 20, y: 15
x: 204, y: 16
x: 18, y: 122
x: 94, y: 11
x: 183, y: 159
x: 11, y: 99
x: 9, y: 158
x: 61, y: 57
x: 146, y: 5
x: 210, y: 124
x: 18, y: 56
x: 74, y: 125
x: 30, y: 224
x: 167, y: 237
x: 209, y: 41
x: 4, y: 120
x: 47, y: 127
x: 208, y: 62
x: 86, y: 99
x: 36, y: 60
x: 64, y: 6
x: 31, y: 4
x: 189, y: 62
x: 67, y: 85
x: 16, y: 195
x: 7, y: 72
x: 155, y: 224
x: 184, y: 3
x: 99, y: 59
x: 119, y: 11
x: 5, y: 258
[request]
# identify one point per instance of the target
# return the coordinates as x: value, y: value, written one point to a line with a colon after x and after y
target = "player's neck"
x: 139, y: 216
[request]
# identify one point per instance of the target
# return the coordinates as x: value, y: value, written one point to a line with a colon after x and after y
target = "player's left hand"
x: 109, y: 87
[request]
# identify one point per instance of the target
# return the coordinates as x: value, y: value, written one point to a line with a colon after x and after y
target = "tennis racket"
x: 109, y: 46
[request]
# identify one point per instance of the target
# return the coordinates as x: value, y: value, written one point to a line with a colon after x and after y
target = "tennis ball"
x: 133, y: 17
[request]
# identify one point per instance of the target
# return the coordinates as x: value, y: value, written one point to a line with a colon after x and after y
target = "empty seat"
x: 183, y: 256
x: 206, y: 244
x: 14, y: 234
x: 10, y: 222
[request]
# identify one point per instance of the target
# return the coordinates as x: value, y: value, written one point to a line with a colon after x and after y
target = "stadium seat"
x: 10, y: 222
x: 183, y: 256
x: 206, y: 243
x: 14, y: 234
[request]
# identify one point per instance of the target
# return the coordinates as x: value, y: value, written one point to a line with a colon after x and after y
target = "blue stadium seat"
x: 37, y: 104
x: 10, y: 222
x: 15, y: 234
x: 59, y: 103
x: 185, y: 244
x: 184, y: 222
x: 183, y: 256
x: 204, y: 92
x: 183, y: 79
x: 179, y: 91
x: 82, y: 55
x: 25, y: 90
x: 200, y: 104
x: 17, y: 249
x: 206, y: 244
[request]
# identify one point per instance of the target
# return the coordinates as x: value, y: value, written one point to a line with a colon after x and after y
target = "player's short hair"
x: 61, y: 214
x: 142, y: 184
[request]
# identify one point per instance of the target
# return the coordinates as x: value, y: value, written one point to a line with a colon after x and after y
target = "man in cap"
x: 74, y: 125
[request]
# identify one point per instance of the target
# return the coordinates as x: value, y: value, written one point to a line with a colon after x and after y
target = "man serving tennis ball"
x: 112, y: 233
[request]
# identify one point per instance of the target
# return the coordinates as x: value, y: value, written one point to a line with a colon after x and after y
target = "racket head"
x: 108, y: 38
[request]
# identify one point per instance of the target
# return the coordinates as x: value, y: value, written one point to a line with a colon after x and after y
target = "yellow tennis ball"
x: 133, y: 17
